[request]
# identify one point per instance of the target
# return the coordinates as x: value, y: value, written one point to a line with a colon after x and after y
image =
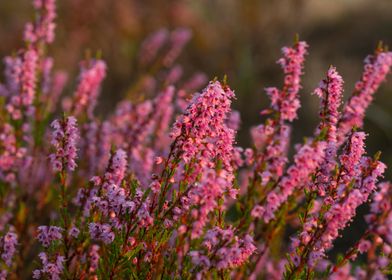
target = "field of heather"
x: 142, y: 140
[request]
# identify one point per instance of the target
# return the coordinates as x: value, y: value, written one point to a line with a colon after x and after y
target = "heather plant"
x: 159, y: 189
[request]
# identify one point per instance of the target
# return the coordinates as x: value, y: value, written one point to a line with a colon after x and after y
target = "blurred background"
x: 239, y: 38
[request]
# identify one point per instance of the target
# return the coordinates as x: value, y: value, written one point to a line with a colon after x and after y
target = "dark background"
x: 239, y: 38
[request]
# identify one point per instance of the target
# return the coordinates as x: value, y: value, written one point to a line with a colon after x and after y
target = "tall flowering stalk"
x: 376, y: 69
x: 86, y: 94
x: 42, y: 30
x: 64, y: 137
x: 353, y: 186
x: 271, y: 139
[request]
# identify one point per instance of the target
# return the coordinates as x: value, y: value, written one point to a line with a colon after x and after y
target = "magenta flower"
x: 46, y: 235
x: 43, y: 29
x: 64, y: 139
x: 51, y: 270
x: 8, y: 244
x: 178, y: 39
x: 115, y: 172
x: 375, y: 71
x: 330, y: 91
x: 12, y: 73
x: 286, y: 101
x: 102, y: 232
x: 90, y: 79
x: 151, y: 46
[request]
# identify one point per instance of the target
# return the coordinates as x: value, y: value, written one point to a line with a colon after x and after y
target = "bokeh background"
x: 240, y: 38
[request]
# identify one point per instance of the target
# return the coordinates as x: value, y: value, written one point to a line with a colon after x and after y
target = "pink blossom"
x: 94, y: 258
x: 102, y: 232
x: 330, y: 91
x: 364, y: 246
x: 375, y: 71
x: 8, y: 244
x: 306, y: 161
x: 286, y: 101
x: 64, y: 139
x: 90, y: 79
x: 152, y: 45
x: 12, y: 73
x: 46, y: 235
x: 52, y: 270
x: 178, y: 39
x: 115, y: 172
x: 43, y: 28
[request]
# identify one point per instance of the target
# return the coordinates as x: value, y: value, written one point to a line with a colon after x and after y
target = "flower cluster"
x: 46, y: 235
x: 64, y: 138
x: 52, y: 270
x: 44, y: 27
x: 8, y: 245
x: 160, y: 190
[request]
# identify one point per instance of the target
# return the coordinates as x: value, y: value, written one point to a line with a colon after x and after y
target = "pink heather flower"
x: 286, y: 101
x: 276, y: 153
x: 364, y: 246
x: 152, y: 45
x: 202, y: 138
x: 64, y: 139
x: 306, y: 162
x: 205, y: 194
x: 234, y: 120
x: 46, y: 235
x: 114, y: 200
x: 46, y: 66
x: 234, y: 255
x: 93, y: 258
x: 380, y: 202
x: 375, y: 71
x: 155, y: 186
x: 320, y: 235
x: 11, y: 157
x: 257, y: 211
x: 380, y: 218
x: 22, y: 103
x: 12, y: 73
x: 43, y: 28
x: 74, y: 232
x: 117, y: 167
x: 102, y: 232
x: 178, y: 39
x: 174, y: 75
x: 202, y: 128
x: 163, y: 118
x: 351, y: 158
x: 330, y: 91
x: 342, y: 273
x: 342, y: 211
x: 261, y: 134
x: 96, y: 145
x: 274, y: 134
x: 50, y: 270
x: 57, y: 85
x: 8, y: 244
x: 144, y: 217
x: 90, y: 79
x: 295, y: 259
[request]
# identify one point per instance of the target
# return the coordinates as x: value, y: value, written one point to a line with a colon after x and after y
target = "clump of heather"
x: 158, y: 189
